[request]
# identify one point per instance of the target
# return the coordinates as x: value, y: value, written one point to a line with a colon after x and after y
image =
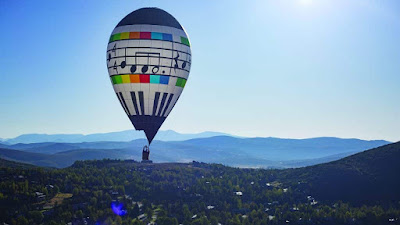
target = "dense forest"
x: 128, y: 192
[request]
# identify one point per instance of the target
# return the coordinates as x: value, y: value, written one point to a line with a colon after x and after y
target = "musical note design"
x: 133, y: 68
x: 112, y: 50
x: 115, y: 67
x: 145, y: 67
x: 190, y: 61
x: 123, y: 63
x: 148, y: 62
x: 184, y: 64
x: 176, y: 62
x: 109, y: 57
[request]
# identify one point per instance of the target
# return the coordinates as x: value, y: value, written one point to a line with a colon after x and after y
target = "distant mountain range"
x: 127, y: 135
x: 228, y: 150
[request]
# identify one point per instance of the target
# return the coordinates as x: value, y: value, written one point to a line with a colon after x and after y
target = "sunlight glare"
x: 305, y: 2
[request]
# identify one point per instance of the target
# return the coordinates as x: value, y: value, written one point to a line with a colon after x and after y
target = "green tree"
x: 187, y: 215
x: 26, y: 186
x: 75, y: 191
x: 22, y: 220
x: 56, y: 189
x: 37, y: 216
x: 118, y: 220
x: 149, y: 213
x: 213, y: 220
x: 79, y: 214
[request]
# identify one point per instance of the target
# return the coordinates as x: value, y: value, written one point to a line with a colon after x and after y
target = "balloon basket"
x: 146, y: 155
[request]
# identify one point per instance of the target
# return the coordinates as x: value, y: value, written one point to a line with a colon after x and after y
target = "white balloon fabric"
x: 148, y: 60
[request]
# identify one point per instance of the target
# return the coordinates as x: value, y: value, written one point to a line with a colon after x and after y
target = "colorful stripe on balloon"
x: 146, y: 78
x: 146, y: 35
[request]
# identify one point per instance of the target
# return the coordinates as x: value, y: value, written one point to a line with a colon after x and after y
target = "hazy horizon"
x: 194, y: 133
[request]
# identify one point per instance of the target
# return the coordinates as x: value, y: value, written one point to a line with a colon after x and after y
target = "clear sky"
x: 290, y: 68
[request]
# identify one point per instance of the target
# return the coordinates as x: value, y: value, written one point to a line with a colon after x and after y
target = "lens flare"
x: 118, y: 208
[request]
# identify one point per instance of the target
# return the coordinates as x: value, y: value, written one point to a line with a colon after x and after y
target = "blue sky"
x: 294, y: 69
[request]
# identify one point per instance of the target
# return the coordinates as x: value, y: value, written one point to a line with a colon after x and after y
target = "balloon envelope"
x: 148, y: 60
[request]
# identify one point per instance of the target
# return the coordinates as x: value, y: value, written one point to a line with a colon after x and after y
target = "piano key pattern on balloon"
x: 161, y: 103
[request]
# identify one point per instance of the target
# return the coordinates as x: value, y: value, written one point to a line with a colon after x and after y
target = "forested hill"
x: 12, y: 164
x: 372, y: 175
x: 200, y: 193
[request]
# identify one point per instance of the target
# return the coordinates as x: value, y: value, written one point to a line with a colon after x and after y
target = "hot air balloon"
x: 148, y: 60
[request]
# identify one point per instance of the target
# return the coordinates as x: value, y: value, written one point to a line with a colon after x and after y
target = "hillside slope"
x: 61, y: 159
x: 372, y: 175
x: 12, y: 164
x: 361, y: 189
